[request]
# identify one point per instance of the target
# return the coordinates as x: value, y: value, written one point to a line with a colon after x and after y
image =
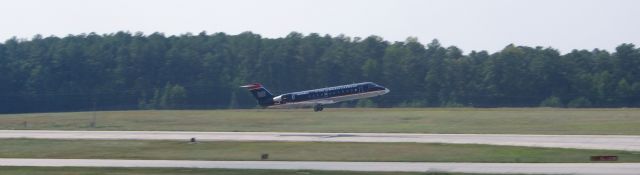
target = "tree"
x: 366, y: 103
x: 624, y: 92
x: 552, y: 102
x: 126, y: 70
x: 580, y: 102
x: 177, y: 96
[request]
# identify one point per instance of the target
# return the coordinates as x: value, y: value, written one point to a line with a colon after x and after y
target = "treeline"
x: 136, y: 71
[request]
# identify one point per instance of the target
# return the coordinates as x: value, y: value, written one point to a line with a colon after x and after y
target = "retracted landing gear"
x: 317, y: 108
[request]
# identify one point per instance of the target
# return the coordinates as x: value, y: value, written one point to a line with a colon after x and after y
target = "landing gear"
x: 317, y: 108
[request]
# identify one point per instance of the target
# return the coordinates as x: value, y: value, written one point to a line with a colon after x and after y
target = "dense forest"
x: 204, y: 71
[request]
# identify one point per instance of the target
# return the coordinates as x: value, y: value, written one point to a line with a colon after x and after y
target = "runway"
x: 494, y: 168
x: 607, y: 142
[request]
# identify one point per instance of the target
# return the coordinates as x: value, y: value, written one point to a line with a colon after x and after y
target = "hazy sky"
x: 468, y: 24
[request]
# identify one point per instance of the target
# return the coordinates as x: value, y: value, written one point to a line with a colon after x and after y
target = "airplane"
x: 315, y: 98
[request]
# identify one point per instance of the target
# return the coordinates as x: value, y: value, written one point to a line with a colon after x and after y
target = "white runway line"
x: 495, y: 168
x: 607, y: 142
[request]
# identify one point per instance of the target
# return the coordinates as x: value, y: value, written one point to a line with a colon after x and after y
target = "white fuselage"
x: 328, y: 100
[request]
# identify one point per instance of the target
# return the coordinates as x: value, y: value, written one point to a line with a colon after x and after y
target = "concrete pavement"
x: 492, y: 168
x: 607, y: 142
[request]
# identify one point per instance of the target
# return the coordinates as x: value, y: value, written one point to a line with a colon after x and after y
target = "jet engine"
x: 277, y: 98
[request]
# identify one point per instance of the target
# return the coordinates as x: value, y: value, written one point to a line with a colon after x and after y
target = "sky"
x: 468, y: 24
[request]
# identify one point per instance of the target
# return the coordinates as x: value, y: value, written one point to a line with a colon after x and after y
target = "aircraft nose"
x: 386, y: 90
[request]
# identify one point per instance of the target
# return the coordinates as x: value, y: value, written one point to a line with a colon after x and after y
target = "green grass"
x: 184, y: 171
x: 301, y: 151
x: 424, y: 120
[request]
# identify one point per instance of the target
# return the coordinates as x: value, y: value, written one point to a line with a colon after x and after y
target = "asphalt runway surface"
x: 607, y: 142
x: 494, y: 168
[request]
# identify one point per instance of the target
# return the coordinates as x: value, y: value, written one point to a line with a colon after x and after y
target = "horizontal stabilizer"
x: 252, y: 86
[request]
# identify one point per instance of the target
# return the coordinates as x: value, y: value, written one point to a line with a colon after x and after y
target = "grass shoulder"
x: 297, y: 151
x: 619, y: 121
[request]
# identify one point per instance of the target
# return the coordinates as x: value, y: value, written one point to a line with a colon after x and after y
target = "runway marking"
x: 605, y: 142
x: 494, y: 168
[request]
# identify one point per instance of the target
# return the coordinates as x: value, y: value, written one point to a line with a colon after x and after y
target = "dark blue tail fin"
x: 264, y: 97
